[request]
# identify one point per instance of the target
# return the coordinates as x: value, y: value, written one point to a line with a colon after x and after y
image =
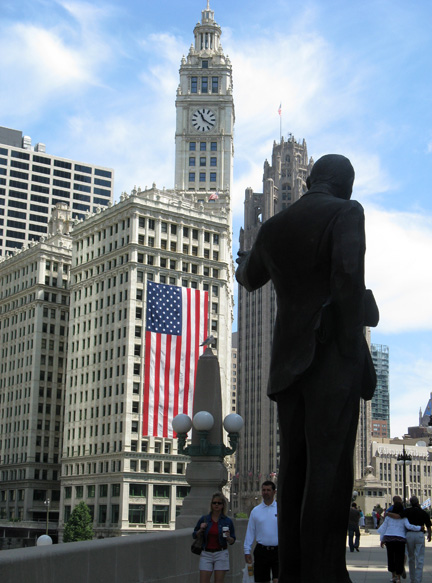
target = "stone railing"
x: 141, y: 558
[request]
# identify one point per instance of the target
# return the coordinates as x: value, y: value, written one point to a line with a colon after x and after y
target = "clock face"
x: 203, y: 119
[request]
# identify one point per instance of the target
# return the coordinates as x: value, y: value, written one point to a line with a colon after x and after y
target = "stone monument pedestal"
x: 206, y: 476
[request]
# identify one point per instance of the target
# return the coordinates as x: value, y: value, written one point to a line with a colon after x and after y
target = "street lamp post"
x: 203, y: 421
x: 404, y: 459
x: 206, y: 472
x: 47, y: 504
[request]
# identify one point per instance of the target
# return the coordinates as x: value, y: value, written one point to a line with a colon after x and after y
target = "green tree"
x: 79, y: 525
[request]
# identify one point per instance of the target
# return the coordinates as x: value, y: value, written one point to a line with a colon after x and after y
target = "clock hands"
x: 203, y: 119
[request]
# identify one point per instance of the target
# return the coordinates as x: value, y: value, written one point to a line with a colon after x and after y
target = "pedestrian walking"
x: 218, y: 532
x: 262, y: 528
x: 393, y: 537
x: 354, y: 528
x: 415, y: 541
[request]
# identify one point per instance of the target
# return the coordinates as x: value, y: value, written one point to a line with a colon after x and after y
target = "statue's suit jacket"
x: 313, y: 252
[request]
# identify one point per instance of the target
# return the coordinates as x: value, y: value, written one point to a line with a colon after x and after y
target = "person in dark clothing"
x: 354, y: 528
x: 313, y: 252
x: 393, y: 536
x: 415, y: 540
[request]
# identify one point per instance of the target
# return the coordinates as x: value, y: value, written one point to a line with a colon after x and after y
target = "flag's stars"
x: 163, y: 309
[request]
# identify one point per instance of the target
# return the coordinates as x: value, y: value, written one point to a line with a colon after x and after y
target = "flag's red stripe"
x: 188, y: 333
x: 205, y: 317
x: 177, y: 376
x: 198, y: 324
x: 167, y: 386
x: 146, y: 384
x: 197, y: 329
x: 156, y: 385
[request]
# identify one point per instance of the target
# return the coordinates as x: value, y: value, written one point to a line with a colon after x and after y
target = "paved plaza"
x: 370, y: 564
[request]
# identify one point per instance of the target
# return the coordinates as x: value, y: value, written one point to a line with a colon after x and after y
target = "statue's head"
x: 334, y: 171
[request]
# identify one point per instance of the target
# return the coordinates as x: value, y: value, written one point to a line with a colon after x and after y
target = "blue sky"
x: 96, y: 81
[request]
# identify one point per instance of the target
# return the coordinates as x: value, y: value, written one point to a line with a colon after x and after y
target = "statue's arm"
x: 347, y: 281
x: 252, y: 272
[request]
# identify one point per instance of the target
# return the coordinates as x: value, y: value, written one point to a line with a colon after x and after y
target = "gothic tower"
x: 284, y: 182
x: 205, y: 113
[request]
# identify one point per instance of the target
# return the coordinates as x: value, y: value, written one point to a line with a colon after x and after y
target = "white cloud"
x: 371, y: 177
x: 300, y: 73
x: 37, y: 62
x: 42, y: 64
x: 135, y: 132
x: 410, y: 387
x: 88, y: 15
x: 399, y: 247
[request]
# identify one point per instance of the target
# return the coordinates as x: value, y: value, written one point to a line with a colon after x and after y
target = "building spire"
x: 207, y: 32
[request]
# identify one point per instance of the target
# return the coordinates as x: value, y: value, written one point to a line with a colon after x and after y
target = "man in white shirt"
x: 262, y: 528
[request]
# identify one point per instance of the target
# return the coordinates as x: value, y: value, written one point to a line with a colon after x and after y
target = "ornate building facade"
x: 134, y: 482
x: 34, y: 315
x: 205, y: 113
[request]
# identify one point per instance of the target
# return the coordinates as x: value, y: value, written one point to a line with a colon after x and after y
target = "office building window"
x: 137, y: 513
x: 160, y: 514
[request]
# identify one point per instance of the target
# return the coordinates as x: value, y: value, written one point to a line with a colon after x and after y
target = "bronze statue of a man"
x: 313, y: 252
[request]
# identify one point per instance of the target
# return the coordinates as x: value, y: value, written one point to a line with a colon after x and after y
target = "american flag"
x: 280, y: 109
x: 214, y: 196
x: 176, y: 325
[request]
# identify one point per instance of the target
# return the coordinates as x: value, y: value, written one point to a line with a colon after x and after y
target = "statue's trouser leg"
x: 318, y: 418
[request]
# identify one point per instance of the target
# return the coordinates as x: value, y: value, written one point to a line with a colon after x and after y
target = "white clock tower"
x: 205, y: 113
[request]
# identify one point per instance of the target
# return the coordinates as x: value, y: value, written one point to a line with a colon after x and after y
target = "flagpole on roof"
x: 280, y: 122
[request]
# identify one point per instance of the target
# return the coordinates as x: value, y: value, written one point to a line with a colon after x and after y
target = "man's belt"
x: 266, y: 548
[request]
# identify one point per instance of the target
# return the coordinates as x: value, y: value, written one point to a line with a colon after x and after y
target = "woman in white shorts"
x: 218, y: 532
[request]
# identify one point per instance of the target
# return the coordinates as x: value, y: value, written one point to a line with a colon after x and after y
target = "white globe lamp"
x: 181, y: 423
x: 44, y: 540
x: 233, y: 423
x: 203, y: 421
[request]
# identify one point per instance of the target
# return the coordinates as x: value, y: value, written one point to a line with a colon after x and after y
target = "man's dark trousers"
x: 353, y: 543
